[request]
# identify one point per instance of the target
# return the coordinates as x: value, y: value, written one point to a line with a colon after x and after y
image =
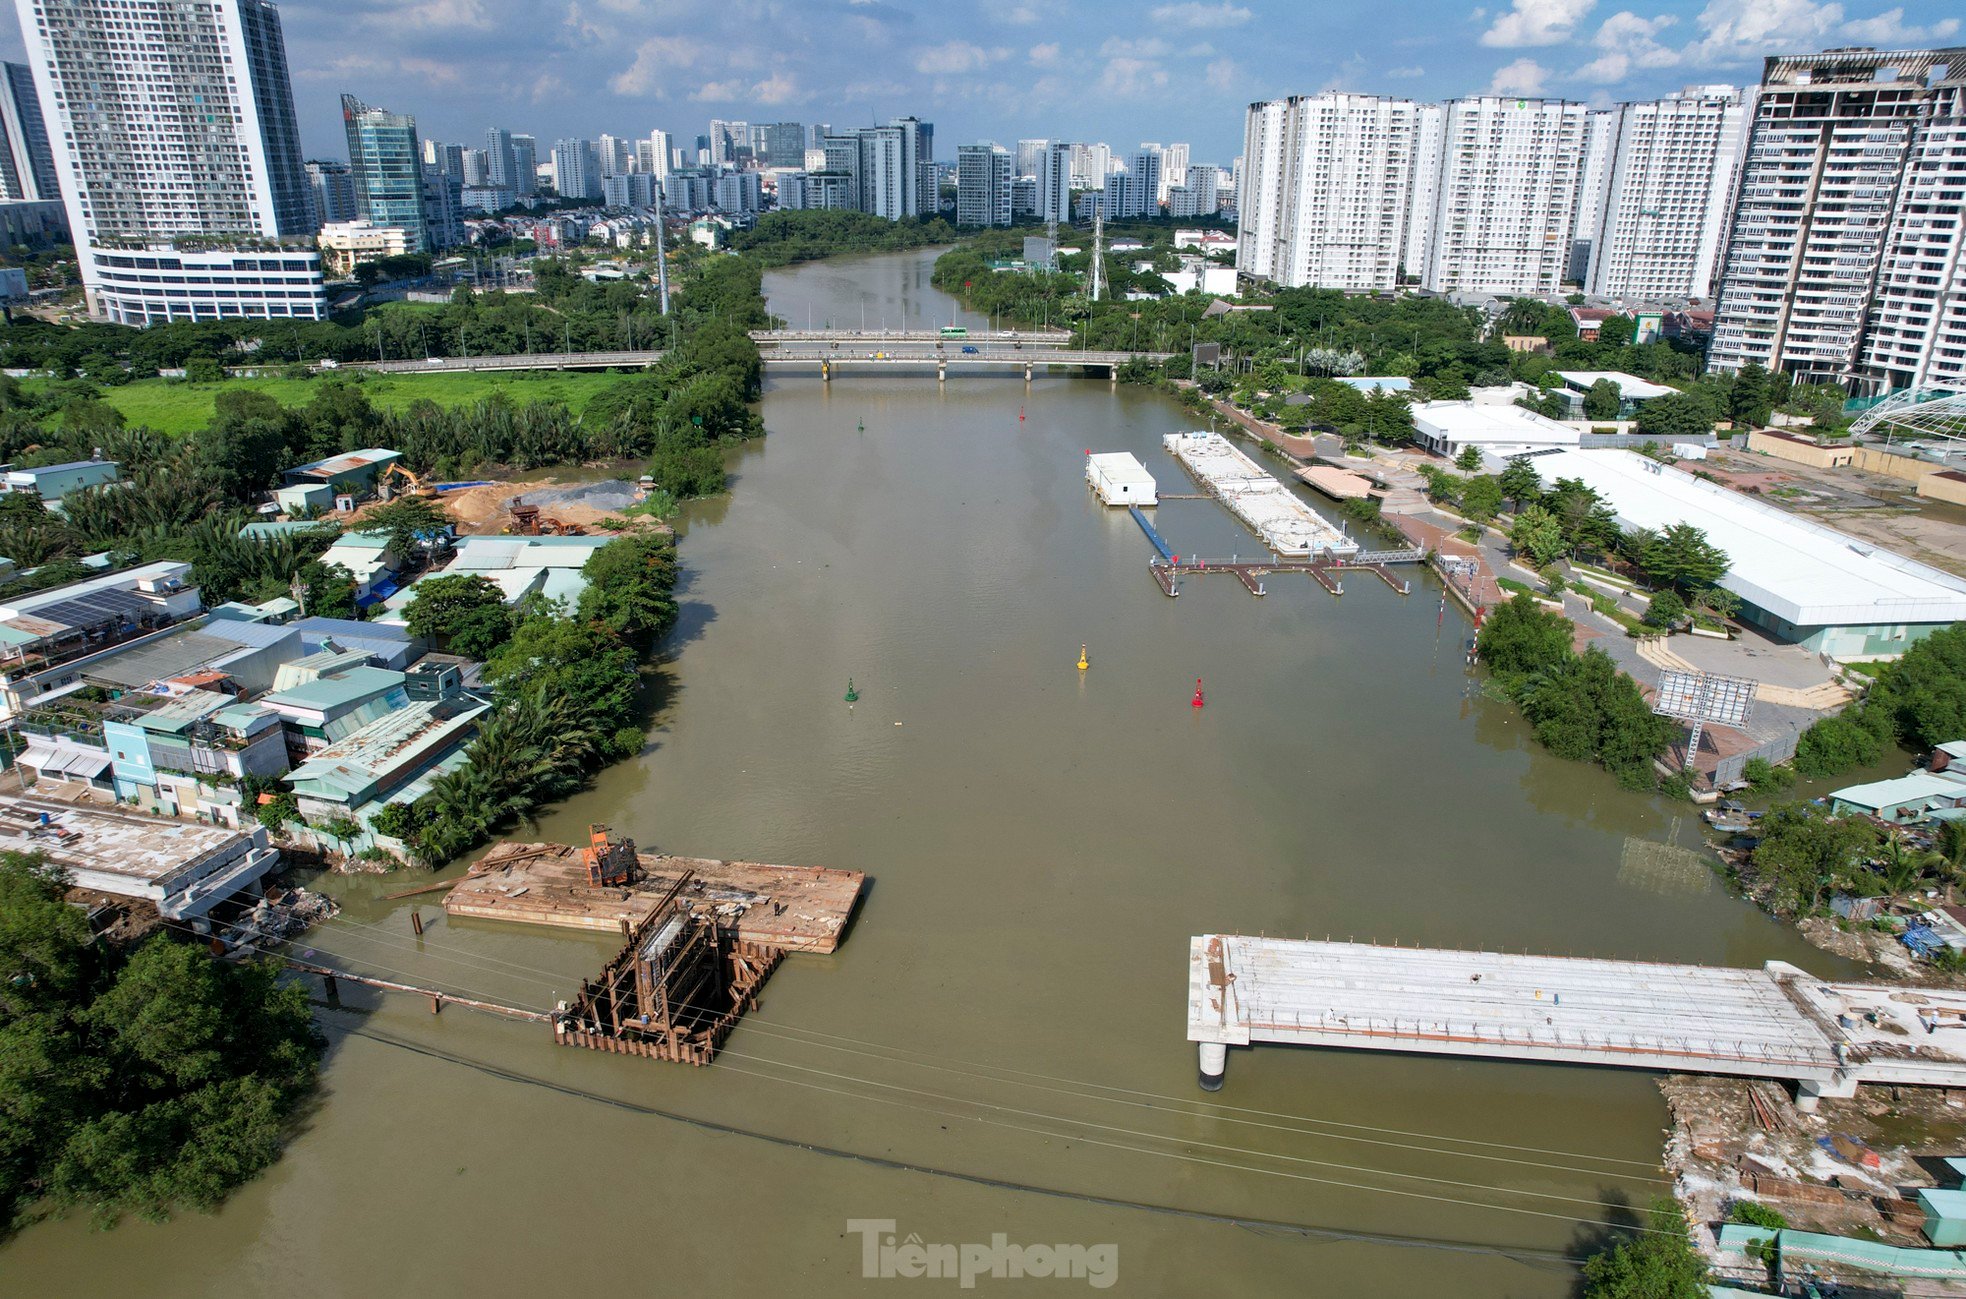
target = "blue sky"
x: 1161, y: 70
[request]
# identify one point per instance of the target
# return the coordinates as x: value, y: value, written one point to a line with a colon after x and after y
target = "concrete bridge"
x: 1777, y: 1022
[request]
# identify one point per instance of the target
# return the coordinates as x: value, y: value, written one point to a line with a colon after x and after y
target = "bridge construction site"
x: 1777, y: 1022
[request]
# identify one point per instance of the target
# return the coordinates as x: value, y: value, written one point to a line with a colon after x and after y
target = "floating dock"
x: 1776, y: 1022
x: 1285, y: 524
x: 791, y: 908
x: 1119, y: 479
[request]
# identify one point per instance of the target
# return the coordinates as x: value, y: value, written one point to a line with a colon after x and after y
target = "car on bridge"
x: 970, y: 351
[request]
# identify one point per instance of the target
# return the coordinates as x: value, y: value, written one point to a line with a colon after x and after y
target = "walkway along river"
x: 1041, y: 843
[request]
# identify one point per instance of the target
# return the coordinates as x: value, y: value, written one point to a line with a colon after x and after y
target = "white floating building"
x: 1287, y: 525
x: 1120, y: 479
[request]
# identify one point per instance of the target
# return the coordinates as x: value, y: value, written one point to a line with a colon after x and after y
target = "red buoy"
x: 1197, y: 700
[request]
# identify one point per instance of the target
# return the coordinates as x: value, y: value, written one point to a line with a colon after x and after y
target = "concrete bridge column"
x: 825, y: 372
x: 941, y: 371
x: 1027, y: 372
x: 1214, y: 1063
x: 1809, y: 1092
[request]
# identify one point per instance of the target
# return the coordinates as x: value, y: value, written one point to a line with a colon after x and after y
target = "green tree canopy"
x: 463, y: 612
x: 1804, y: 852
x: 1683, y: 558
x: 1659, y: 1264
x: 1603, y: 401
x: 1537, y: 536
x: 631, y: 585
x: 1519, y: 638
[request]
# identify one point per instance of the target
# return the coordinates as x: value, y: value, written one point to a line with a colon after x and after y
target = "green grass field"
x: 173, y: 406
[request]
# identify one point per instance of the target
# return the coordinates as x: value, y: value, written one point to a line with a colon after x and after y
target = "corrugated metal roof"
x: 258, y: 635
x: 161, y: 659
x: 315, y: 628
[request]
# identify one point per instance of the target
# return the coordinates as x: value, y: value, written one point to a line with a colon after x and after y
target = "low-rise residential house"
x: 52, y: 482
x: 305, y: 498
x: 370, y: 561
x: 48, y: 638
x: 518, y: 566
x: 352, y: 473
x: 1905, y: 800
x: 188, y: 755
x: 387, y: 646
x: 392, y: 759
x: 327, y: 709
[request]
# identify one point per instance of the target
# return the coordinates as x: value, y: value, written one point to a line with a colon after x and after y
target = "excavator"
x: 527, y: 521
x: 414, y: 484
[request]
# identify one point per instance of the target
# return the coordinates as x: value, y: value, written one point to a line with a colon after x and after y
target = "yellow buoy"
x: 1083, y: 664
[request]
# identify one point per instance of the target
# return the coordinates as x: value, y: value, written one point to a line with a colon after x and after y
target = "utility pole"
x: 1098, y: 251
x: 661, y: 258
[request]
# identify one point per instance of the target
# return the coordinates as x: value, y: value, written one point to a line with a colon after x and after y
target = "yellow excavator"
x: 413, y: 484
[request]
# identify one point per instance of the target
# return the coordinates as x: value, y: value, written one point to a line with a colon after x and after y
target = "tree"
x: 276, y: 813
x: 1751, y: 400
x: 404, y: 521
x: 1469, y: 460
x: 1519, y: 638
x: 1804, y: 852
x: 1835, y: 745
x: 463, y: 612
x: 1676, y: 415
x: 1666, y: 611
x: 1603, y: 401
x: 1481, y: 497
x: 1536, y: 535
x: 1921, y: 698
x: 1660, y: 1263
x: 631, y: 585
x: 1520, y: 482
x: 1584, y: 709
x: 1683, y: 558
x: 1616, y: 331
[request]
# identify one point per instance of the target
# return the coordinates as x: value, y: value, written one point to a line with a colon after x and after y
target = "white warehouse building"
x: 1798, y: 581
x: 1449, y: 427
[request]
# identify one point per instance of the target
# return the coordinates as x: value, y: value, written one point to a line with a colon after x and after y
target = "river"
x: 1041, y: 844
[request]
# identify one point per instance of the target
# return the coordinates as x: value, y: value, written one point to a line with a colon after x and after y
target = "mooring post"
x: 416, y: 922
x: 437, y: 1004
x: 333, y: 992
x: 1214, y: 1063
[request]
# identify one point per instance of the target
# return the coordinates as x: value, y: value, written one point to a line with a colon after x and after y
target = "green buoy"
x: 851, y: 693
x: 863, y: 426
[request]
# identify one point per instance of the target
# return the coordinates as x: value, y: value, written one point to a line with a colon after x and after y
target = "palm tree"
x: 1901, y: 865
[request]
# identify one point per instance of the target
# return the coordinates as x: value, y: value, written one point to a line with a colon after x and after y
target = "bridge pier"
x: 1214, y: 1063
x: 1027, y: 372
x: 942, y: 371
x: 825, y: 372
x: 1809, y: 1092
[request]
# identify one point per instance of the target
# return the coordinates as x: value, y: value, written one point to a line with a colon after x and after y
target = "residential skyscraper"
x: 1029, y: 156
x: 1507, y: 204
x: 525, y: 166
x: 447, y: 158
x: 1196, y: 194
x: 1330, y: 184
x: 334, y: 190
x: 1917, y: 333
x: 1674, y: 164
x: 1827, y: 152
x: 577, y: 169
x: 27, y: 162
x: 385, y: 159
x: 890, y: 167
x: 206, y: 151
x: 499, y: 162
x: 1091, y: 164
x: 1055, y: 182
x: 661, y: 151
x: 614, y: 153
x: 779, y: 144
x: 1173, y: 169
x: 983, y: 176
x: 1135, y: 192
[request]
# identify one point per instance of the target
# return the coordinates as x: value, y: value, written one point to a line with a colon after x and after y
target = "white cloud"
x: 1201, y: 15
x: 1537, y: 22
x: 1222, y: 74
x: 1020, y: 15
x: 1628, y: 41
x: 1148, y: 47
x: 954, y: 57
x: 657, y: 59
x: 1734, y: 31
x: 1410, y: 70
x: 1889, y: 29
x: 1523, y: 77
x: 428, y: 15
x: 1044, y: 56
x: 1129, y: 78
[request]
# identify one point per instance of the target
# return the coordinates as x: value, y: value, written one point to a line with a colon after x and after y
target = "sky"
x: 1010, y: 69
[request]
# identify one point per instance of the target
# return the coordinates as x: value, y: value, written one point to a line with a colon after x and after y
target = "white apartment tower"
x: 1054, y: 176
x: 175, y: 145
x: 1329, y: 182
x: 1828, y: 150
x: 1917, y: 334
x: 1659, y: 226
x: 1507, y: 206
x: 1173, y: 167
x: 983, y: 176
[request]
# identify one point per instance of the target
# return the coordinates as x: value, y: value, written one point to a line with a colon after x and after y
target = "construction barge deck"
x: 1287, y: 526
x: 790, y: 908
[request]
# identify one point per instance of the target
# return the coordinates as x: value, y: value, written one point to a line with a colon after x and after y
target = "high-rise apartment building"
x: 577, y: 169
x: 27, y: 160
x: 446, y: 158
x: 1173, y: 169
x: 1054, y: 177
x: 1831, y: 145
x: 890, y: 168
x: 1507, y: 205
x: 334, y: 191
x: 1330, y: 183
x: 983, y: 176
x: 1655, y: 234
x: 172, y: 131
x: 614, y: 154
x: 662, y: 152
x: 499, y: 162
x: 727, y: 140
x: 476, y: 171
x: 1029, y: 152
x: 1917, y: 333
x: 1135, y: 191
x: 779, y: 144
x: 1091, y: 164
x: 525, y: 166
x: 385, y: 158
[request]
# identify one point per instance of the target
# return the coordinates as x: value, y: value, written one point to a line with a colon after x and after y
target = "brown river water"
x: 1041, y: 844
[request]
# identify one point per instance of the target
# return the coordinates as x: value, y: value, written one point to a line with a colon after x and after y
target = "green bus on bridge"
x: 954, y: 331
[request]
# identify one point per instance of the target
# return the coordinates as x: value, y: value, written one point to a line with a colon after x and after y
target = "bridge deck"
x: 1775, y: 1022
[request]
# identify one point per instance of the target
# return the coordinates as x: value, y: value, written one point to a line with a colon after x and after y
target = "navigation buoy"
x: 851, y: 693
x: 1020, y: 414
x: 1197, y: 701
x: 863, y: 426
x: 1083, y: 663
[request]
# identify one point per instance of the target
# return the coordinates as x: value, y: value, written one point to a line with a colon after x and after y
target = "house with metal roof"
x: 354, y: 776
x: 1907, y: 799
x: 518, y: 566
x: 52, y: 482
x: 368, y: 558
x: 352, y: 473
x: 387, y: 645
x: 267, y: 529
x: 1633, y: 391
x: 329, y: 708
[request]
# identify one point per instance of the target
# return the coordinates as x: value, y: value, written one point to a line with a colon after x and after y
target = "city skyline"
x: 1090, y: 71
